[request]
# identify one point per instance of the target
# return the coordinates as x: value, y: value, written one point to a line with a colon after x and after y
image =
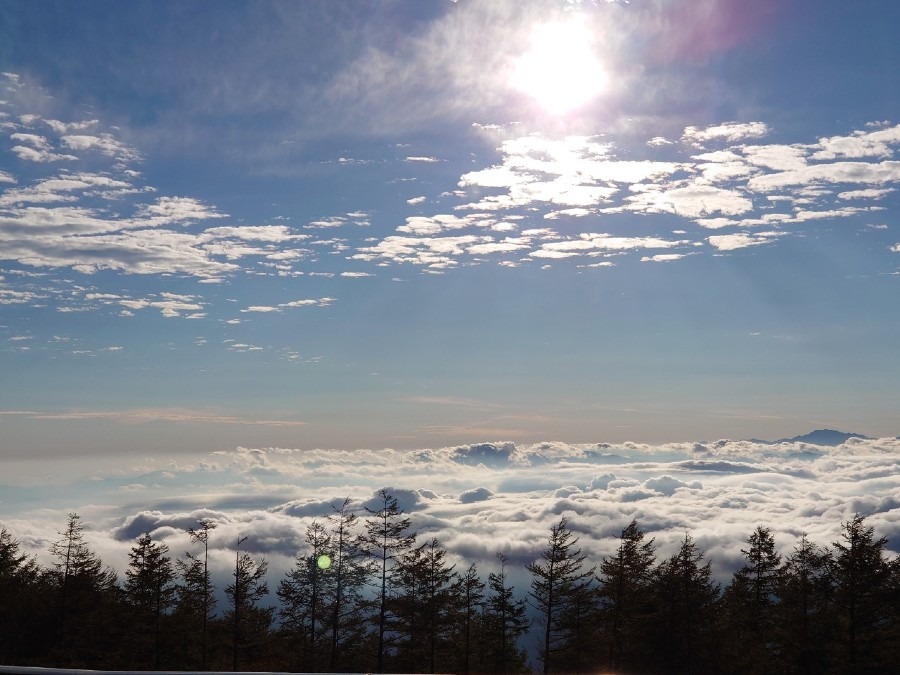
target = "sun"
x: 560, y: 69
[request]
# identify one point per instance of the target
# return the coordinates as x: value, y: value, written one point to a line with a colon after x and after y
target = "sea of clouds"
x: 483, y: 498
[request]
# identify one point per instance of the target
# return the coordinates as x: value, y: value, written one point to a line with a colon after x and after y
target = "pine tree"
x: 249, y: 623
x: 20, y: 602
x: 469, y: 599
x: 804, y: 617
x: 385, y: 541
x: 624, y: 582
x: 864, y: 584
x: 351, y: 574
x: 196, y: 602
x: 423, y: 609
x: 150, y: 590
x: 683, y: 627
x: 751, y: 601
x: 307, y: 595
x: 87, y: 600
x: 559, y: 588
x: 505, y: 622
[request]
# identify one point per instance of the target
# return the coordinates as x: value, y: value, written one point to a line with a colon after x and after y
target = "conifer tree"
x: 624, y: 582
x: 385, y: 540
x: 683, y: 629
x: 504, y: 622
x: 87, y: 598
x: 195, y: 594
x: 20, y: 602
x: 864, y: 586
x: 249, y: 623
x: 559, y: 588
x: 469, y: 594
x: 307, y: 596
x: 804, y: 617
x: 150, y: 591
x: 351, y: 574
x: 751, y: 601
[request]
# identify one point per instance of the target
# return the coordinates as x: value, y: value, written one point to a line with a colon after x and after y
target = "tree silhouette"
x: 20, y: 596
x: 804, y: 616
x: 504, y: 622
x: 751, y: 601
x: 306, y: 593
x: 248, y: 622
x: 85, y: 591
x: 558, y: 591
x: 350, y: 576
x: 624, y: 583
x: 196, y: 594
x: 469, y: 594
x: 386, y: 540
x: 682, y: 635
x: 150, y: 590
x: 863, y: 585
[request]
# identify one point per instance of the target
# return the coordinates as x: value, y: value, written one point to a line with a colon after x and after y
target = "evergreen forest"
x: 366, y: 595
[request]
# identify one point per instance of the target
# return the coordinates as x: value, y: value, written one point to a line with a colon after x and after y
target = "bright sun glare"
x: 560, y: 69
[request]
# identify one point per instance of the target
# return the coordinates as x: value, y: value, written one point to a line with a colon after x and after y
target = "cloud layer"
x: 483, y: 498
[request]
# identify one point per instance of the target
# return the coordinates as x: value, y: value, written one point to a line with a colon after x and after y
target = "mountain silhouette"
x: 828, y: 437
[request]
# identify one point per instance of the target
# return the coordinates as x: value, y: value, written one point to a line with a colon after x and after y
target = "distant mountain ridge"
x: 828, y: 437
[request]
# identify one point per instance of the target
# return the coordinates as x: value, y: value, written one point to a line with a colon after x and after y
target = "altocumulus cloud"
x: 490, y: 497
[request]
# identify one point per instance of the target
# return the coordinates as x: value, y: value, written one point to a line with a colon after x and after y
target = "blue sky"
x: 423, y: 224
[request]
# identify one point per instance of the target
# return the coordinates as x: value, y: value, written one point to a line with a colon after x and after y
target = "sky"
x: 256, y: 253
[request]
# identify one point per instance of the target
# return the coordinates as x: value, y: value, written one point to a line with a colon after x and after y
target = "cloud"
x: 29, y: 154
x: 667, y: 485
x: 870, y: 173
x: 732, y: 242
x: 475, y: 495
x: 664, y: 257
x: 868, y: 193
x: 859, y: 144
x: 482, y: 498
x: 729, y: 132
x: 306, y: 302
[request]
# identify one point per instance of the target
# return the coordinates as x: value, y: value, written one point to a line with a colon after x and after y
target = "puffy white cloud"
x: 590, y: 242
x: 482, y: 498
x: 29, y: 154
x: 475, y: 495
x: 692, y: 201
x: 776, y: 157
x: 837, y: 172
x: 859, y: 144
x: 34, y: 140
x: 103, y: 143
x: 664, y: 257
x: 732, y: 242
x: 867, y: 193
x: 729, y: 132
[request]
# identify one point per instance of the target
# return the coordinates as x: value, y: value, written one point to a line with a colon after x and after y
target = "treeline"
x: 364, y: 595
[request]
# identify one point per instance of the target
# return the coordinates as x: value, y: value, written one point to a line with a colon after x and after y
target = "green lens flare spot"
x: 324, y: 562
